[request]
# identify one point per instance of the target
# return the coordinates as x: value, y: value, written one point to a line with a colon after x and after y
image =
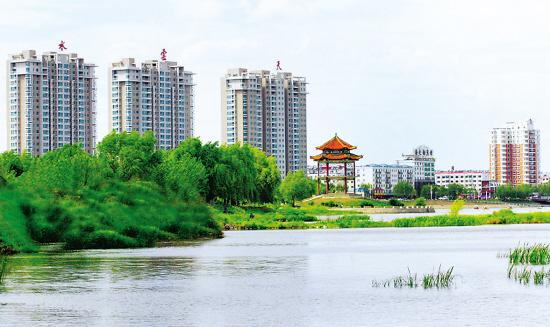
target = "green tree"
x: 12, y: 166
x: 403, y: 190
x: 128, y: 156
x: 429, y: 191
x: 455, y: 190
x: 237, y: 174
x: 441, y: 192
x: 420, y: 202
x: 523, y: 191
x: 65, y: 170
x: 544, y: 189
x: 183, y: 175
x: 506, y: 192
x: 296, y: 187
x: 268, y: 178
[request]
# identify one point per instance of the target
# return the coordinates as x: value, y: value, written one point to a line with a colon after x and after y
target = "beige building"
x: 268, y: 111
x: 158, y: 96
x: 515, y: 154
x: 51, y: 102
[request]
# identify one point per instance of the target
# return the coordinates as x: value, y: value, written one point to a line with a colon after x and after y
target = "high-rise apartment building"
x: 158, y: 96
x: 515, y: 154
x: 51, y: 101
x: 268, y: 111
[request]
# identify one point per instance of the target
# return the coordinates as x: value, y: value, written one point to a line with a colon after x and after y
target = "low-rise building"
x: 383, y: 177
x: 480, y: 180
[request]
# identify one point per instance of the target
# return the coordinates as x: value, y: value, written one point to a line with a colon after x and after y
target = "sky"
x: 386, y: 76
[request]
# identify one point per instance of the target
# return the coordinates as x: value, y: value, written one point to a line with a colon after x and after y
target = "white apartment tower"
x: 268, y: 111
x: 424, y: 166
x: 158, y: 97
x: 51, y: 102
x: 515, y: 154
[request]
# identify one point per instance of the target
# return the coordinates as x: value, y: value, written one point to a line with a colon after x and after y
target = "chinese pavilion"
x: 336, y: 154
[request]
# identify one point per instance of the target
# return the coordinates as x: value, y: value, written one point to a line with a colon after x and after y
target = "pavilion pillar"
x: 354, y: 178
x: 327, y: 178
x: 345, y: 177
x: 318, y: 179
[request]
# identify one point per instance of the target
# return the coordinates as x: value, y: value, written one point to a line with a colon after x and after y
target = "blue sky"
x: 387, y: 76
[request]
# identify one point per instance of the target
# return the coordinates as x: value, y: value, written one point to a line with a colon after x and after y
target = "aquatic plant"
x: 521, y: 275
x: 4, y: 266
x: 537, y: 254
x: 439, y: 279
x: 538, y: 277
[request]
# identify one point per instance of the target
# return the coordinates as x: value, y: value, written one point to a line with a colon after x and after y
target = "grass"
x: 285, y: 217
x: 116, y: 215
x: 4, y: 266
x: 439, y: 279
x: 522, y: 256
x: 533, y: 255
x: 346, y: 202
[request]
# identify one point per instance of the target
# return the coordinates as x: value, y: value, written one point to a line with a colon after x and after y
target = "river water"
x: 282, y: 278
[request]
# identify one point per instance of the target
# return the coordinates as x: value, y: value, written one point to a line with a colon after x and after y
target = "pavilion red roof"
x: 336, y: 143
x: 336, y: 156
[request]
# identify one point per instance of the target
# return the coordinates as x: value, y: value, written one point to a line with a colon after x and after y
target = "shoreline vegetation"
x: 291, y: 218
x: 130, y: 194
x: 288, y: 217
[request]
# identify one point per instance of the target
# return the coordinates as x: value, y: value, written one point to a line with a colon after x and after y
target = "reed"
x: 537, y: 254
x: 523, y: 275
x: 538, y: 277
x: 4, y: 266
x: 441, y: 279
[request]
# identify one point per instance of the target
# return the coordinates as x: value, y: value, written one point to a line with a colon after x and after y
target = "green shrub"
x: 396, y: 203
x: 420, y: 202
x: 330, y: 204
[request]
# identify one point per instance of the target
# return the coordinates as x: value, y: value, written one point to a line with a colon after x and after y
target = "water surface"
x: 281, y: 278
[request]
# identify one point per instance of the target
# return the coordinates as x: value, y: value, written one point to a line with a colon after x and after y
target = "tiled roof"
x: 336, y: 156
x: 336, y: 143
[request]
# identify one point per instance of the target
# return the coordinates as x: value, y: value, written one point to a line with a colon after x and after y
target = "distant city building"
x: 383, y: 177
x: 268, y: 111
x: 480, y: 180
x: 515, y: 154
x: 423, y: 162
x: 544, y: 179
x: 51, y: 102
x: 158, y: 97
x: 468, y: 178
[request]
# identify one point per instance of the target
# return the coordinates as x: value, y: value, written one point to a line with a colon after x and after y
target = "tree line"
x: 129, y: 194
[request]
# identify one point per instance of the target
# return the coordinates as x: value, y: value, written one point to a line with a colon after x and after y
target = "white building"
x: 515, y: 154
x: 158, y: 97
x: 51, y: 102
x: 268, y: 111
x: 383, y: 177
x: 475, y: 179
x: 424, y: 166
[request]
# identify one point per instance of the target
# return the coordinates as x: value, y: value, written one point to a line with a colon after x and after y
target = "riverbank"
x: 389, y: 210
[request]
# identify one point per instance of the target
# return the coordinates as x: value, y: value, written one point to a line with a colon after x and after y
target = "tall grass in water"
x: 523, y: 275
x: 535, y: 255
x: 438, y: 280
x: 4, y: 266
